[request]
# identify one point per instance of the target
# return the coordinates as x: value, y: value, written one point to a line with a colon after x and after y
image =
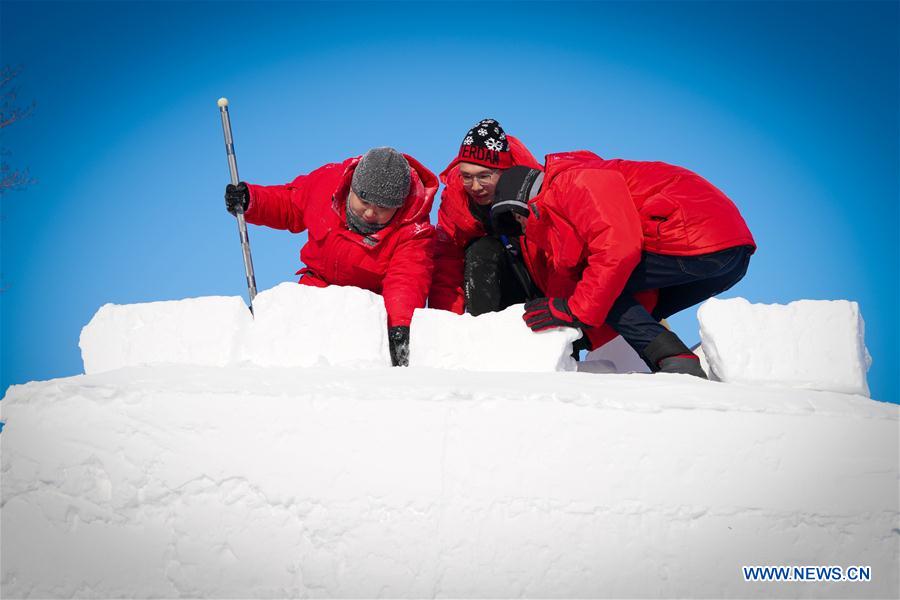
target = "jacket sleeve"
x: 279, y: 206
x: 600, y: 209
x: 447, y: 283
x: 408, y: 275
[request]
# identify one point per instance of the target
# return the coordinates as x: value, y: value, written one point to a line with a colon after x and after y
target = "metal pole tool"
x: 242, y: 224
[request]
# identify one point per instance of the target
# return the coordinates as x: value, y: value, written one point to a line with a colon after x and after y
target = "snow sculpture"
x: 302, y: 326
x: 204, y: 482
x: 195, y: 331
x: 806, y: 344
x: 498, y: 341
x: 811, y: 344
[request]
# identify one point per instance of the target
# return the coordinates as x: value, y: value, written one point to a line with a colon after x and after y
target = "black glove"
x: 505, y: 223
x: 398, y: 342
x: 237, y: 197
x: 546, y: 313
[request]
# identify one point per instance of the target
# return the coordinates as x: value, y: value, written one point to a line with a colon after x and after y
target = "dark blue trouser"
x: 682, y: 281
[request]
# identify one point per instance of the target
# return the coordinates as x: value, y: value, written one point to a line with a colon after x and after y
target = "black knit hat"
x: 382, y: 177
x: 517, y: 185
x: 486, y: 144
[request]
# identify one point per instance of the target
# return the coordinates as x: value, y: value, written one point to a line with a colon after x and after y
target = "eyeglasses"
x: 481, y: 178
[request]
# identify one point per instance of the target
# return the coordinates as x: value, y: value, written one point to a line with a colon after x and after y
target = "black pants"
x: 490, y: 279
x: 682, y: 281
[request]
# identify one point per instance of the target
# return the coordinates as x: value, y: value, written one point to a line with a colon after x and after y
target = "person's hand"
x: 398, y: 343
x: 237, y: 197
x: 547, y: 313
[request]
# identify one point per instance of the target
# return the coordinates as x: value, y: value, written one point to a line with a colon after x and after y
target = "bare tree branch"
x: 11, y: 112
x: 11, y: 180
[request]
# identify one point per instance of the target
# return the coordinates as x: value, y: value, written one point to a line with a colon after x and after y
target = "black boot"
x: 688, y: 365
x: 668, y: 354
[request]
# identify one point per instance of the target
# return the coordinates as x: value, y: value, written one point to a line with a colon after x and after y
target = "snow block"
x: 195, y: 331
x: 810, y: 344
x: 204, y: 482
x: 498, y: 341
x: 292, y: 326
x: 301, y: 326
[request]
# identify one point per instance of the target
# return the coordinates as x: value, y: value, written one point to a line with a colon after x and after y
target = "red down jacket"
x: 594, y: 217
x: 456, y: 227
x: 395, y: 262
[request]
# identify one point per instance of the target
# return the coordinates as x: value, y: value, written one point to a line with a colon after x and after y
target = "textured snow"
x: 251, y: 458
x: 174, y: 481
x: 806, y: 344
x: 197, y: 331
x: 300, y: 326
x: 497, y: 341
x: 291, y: 326
x: 809, y: 344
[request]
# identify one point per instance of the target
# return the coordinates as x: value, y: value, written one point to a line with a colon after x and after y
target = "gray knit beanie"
x: 382, y: 178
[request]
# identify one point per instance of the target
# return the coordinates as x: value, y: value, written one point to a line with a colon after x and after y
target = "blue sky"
x: 791, y: 108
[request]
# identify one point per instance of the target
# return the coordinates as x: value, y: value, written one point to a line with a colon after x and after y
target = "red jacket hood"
x: 417, y: 206
x: 554, y: 164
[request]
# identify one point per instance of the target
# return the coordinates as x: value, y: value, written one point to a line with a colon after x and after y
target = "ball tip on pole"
x: 222, y: 102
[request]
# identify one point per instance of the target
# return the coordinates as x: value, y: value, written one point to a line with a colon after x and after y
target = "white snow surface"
x: 292, y: 326
x: 806, y: 344
x: 197, y: 331
x: 210, y: 455
x: 497, y: 341
x: 301, y: 326
x: 809, y: 344
x: 174, y: 481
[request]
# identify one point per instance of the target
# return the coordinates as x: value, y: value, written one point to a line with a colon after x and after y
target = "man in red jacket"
x: 368, y: 226
x: 474, y: 270
x: 598, y: 233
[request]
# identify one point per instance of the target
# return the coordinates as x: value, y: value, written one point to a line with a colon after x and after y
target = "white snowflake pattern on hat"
x: 502, y: 136
x: 482, y: 131
x: 468, y: 141
x: 496, y: 130
x: 493, y: 144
